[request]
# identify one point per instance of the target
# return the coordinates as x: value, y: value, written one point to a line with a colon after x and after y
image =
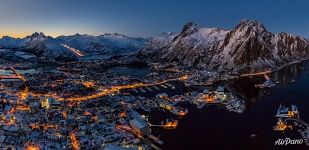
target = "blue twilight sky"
x: 147, y: 17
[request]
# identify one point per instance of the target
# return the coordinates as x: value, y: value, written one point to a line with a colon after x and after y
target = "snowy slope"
x: 157, y: 44
x: 9, y: 42
x: 192, y: 45
x: 107, y: 43
x: 46, y: 46
x: 246, y: 48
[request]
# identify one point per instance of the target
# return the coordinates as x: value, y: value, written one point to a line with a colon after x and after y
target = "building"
x: 55, y: 104
x: 215, y: 96
x: 220, y: 89
x: 286, y: 112
x: 45, y: 103
x: 166, y: 105
x: 206, y: 91
x: 220, y: 93
x: 141, y: 126
x: 162, y: 96
x: 50, y: 103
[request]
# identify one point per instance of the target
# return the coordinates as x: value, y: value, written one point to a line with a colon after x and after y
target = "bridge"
x: 298, y: 120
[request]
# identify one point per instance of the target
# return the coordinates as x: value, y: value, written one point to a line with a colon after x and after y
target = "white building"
x: 141, y: 126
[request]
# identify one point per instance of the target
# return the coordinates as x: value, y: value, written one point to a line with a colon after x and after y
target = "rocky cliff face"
x: 246, y: 48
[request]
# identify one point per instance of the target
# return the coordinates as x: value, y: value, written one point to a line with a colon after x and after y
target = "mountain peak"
x: 189, y: 26
x: 114, y: 34
x: 37, y: 35
x: 248, y: 47
x: 251, y: 25
x: 251, y: 22
x: 7, y: 37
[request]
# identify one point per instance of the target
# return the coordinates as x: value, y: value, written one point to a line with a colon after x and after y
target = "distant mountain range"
x: 46, y: 46
x: 246, y: 48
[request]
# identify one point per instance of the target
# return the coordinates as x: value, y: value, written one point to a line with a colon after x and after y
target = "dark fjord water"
x: 215, y: 128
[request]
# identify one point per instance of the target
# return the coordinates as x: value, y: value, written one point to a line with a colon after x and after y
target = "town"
x: 73, y: 106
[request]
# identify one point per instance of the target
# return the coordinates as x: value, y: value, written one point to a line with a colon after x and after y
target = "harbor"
x: 254, y: 127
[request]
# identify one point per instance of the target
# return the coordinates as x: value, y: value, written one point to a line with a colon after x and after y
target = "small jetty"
x: 167, y: 124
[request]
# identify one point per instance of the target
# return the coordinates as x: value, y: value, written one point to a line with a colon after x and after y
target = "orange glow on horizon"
x: 14, y: 35
x: 18, y: 33
x: 25, y: 34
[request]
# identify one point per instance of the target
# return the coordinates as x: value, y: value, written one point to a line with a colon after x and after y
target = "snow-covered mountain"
x: 158, y: 43
x: 50, y: 47
x: 45, y: 46
x: 107, y: 43
x: 248, y: 47
x: 9, y: 42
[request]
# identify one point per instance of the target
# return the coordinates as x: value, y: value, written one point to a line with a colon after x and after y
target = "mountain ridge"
x: 248, y: 47
x: 47, y: 46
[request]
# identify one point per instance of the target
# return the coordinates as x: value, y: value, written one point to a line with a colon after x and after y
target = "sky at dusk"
x: 146, y: 18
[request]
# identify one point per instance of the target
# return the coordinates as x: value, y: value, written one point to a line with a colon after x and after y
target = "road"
x: 255, y: 74
x: 109, y: 91
x: 74, y: 50
x: 102, y: 93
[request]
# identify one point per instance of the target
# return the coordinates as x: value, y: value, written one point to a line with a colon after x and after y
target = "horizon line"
x: 24, y: 35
